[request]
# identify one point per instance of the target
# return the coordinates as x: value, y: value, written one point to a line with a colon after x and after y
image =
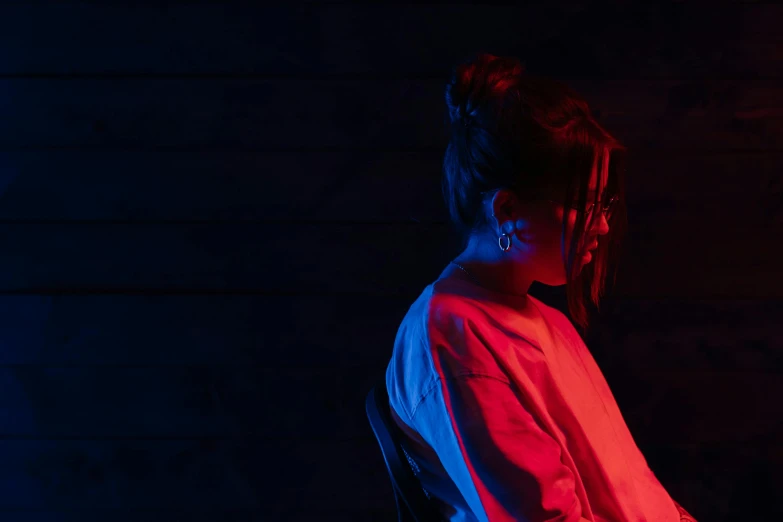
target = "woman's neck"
x: 497, y: 272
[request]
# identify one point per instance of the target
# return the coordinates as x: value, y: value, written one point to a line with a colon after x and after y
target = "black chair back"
x: 412, y: 502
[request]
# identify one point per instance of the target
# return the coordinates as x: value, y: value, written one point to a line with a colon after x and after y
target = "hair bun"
x: 473, y: 81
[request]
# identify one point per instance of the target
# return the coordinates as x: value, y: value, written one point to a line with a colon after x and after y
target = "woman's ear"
x: 505, y: 205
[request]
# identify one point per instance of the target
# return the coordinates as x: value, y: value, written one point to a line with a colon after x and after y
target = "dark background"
x: 214, y: 217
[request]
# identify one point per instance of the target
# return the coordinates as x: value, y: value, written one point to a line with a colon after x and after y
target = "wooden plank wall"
x: 214, y: 216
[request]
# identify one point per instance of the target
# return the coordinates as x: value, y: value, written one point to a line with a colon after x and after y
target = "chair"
x: 410, y: 498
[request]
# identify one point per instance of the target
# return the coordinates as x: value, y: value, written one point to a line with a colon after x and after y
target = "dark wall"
x: 214, y: 217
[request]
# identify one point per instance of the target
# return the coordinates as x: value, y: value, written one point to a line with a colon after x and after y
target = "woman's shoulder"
x: 429, y: 321
x: 438, y: 304
x: 454, y: 297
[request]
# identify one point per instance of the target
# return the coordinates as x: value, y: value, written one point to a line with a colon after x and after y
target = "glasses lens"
x: 609, y: 207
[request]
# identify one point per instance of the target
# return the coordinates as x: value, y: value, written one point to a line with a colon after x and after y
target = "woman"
x: 504, y: 412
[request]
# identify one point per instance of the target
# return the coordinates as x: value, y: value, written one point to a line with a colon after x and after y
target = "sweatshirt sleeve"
x: 504, y: 465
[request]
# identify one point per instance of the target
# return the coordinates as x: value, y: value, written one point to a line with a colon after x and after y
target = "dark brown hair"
x: 537, y: 137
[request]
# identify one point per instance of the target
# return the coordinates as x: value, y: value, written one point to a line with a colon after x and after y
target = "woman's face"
x: 538, y: 243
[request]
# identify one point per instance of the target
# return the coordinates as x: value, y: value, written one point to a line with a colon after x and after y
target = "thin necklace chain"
x: 466, y: 271
x: 479, y: 284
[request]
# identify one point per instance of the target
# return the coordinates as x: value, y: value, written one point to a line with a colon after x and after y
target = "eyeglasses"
x: 606, y: 209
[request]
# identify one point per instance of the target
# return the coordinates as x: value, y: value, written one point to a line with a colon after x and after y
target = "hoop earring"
x: 500, y: 242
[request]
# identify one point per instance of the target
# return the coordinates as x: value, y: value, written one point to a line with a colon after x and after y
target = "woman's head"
x: 526, y: 157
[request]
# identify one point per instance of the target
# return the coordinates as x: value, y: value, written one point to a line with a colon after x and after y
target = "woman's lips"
x: 588, y: 255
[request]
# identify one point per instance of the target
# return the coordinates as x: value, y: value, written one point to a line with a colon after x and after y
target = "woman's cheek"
x: 569, y: 231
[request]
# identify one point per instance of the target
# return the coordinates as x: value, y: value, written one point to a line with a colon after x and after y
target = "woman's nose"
x: 600, y: 226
